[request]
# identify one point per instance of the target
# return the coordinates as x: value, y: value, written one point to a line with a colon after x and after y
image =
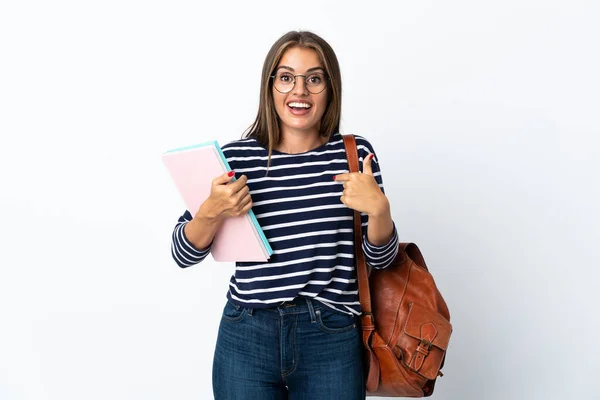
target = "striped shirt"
x: 310, y: 230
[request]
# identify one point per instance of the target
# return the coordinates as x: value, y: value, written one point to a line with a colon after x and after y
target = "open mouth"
x: 299, y: 108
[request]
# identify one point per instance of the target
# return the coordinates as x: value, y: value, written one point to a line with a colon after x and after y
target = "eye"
x: 285, y: 77
x: 314, y: 79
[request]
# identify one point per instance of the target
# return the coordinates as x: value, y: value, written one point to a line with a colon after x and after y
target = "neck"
x: 292, y: 142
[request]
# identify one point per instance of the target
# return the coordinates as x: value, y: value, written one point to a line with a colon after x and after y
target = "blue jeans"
x: 296, y: 351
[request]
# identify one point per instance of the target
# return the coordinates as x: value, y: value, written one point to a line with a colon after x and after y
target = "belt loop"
x: 311, y: 310
x: 250, y: 311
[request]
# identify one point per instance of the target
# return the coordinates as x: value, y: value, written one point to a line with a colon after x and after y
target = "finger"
x: 367, y: 164
x: 245, y: 206
x: 246, y: 202
x: 241, y: 194
x: 343, y: 200
x: 341, y: 177
x: 239, y: 183
x: 224, y: 178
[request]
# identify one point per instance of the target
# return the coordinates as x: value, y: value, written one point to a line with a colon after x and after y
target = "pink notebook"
x: 192, y: 169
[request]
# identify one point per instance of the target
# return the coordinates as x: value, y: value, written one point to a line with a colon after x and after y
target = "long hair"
x: 266, y: 126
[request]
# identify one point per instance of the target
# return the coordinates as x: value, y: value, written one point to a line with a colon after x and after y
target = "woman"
x: 289, y: 328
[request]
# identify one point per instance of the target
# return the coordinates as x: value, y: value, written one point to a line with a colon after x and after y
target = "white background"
x: 484, y: 116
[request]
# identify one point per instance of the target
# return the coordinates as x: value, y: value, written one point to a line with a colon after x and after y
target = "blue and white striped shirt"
x: 310, y: 230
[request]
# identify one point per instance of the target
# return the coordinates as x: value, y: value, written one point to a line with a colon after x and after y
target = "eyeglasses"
x: 284, y: 81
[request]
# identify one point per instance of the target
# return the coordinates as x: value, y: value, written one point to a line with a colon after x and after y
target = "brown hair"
x: 266, y: 126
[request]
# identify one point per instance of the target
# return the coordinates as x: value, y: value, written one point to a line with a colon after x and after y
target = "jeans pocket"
x: 334, y: 322
x: 233, y: 312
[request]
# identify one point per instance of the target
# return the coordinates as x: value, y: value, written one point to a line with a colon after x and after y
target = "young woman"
x: 289, y: 327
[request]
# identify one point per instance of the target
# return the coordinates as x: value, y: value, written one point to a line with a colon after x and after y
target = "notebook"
x: 192, y: 169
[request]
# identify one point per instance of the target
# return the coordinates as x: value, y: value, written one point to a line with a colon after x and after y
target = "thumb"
x: 367, y: 164
x: 224, y: 178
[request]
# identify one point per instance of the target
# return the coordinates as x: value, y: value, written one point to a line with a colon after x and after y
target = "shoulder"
x: 363, y: 145
x: 242, y: 146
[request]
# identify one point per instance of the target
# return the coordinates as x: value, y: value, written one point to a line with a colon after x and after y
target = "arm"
x: 380, y: 256
x: 192, y: 237
x: 201, y: 230
x: 364, y: 192
x: 379, y: 221
x: 380, y: 237
x: 183, y: 251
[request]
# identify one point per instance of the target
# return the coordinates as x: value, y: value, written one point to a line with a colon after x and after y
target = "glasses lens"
x: 315, y: 83
x: 284, y: 81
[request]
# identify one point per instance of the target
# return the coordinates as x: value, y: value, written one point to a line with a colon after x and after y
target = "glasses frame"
x: 327, y: 79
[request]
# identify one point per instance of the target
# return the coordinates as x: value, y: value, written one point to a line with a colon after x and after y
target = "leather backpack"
x: 405, y: 321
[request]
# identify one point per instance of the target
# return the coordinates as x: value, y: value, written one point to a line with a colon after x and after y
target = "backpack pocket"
x: 424, y: 340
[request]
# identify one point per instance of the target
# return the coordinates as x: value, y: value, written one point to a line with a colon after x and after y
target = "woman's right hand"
x: 227, y: 199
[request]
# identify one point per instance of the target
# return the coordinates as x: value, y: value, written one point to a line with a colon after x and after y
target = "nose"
x: 300, y: 85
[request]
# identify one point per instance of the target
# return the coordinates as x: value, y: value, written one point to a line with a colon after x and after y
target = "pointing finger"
x: 341, y: 177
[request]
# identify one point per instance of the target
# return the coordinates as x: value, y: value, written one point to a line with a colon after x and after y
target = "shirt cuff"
x: 381, y: 256
x: 184, y: 253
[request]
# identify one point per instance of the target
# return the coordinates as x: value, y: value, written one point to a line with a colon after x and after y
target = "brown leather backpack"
x: 405, y: 321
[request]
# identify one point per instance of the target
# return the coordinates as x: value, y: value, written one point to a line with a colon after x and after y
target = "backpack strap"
x: 364, y: 293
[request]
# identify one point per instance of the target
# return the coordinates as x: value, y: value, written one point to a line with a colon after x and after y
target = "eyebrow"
x: 308, y: 70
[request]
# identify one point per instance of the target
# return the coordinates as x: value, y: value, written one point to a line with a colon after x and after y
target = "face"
x: 299, y: 110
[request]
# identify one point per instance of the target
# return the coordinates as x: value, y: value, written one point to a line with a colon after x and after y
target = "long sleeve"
x: 183, y: 252
x: 380, y: 257
x: 377, y: 257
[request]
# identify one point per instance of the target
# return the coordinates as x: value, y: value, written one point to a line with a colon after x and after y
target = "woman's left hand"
x: 361, y: 191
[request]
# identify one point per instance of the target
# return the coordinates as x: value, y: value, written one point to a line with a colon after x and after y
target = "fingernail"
x: 334, y: 178
x: 371, y: 156
x: 231, y: 173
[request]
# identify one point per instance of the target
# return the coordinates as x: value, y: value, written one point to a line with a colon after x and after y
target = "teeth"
x: 304, y: 105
